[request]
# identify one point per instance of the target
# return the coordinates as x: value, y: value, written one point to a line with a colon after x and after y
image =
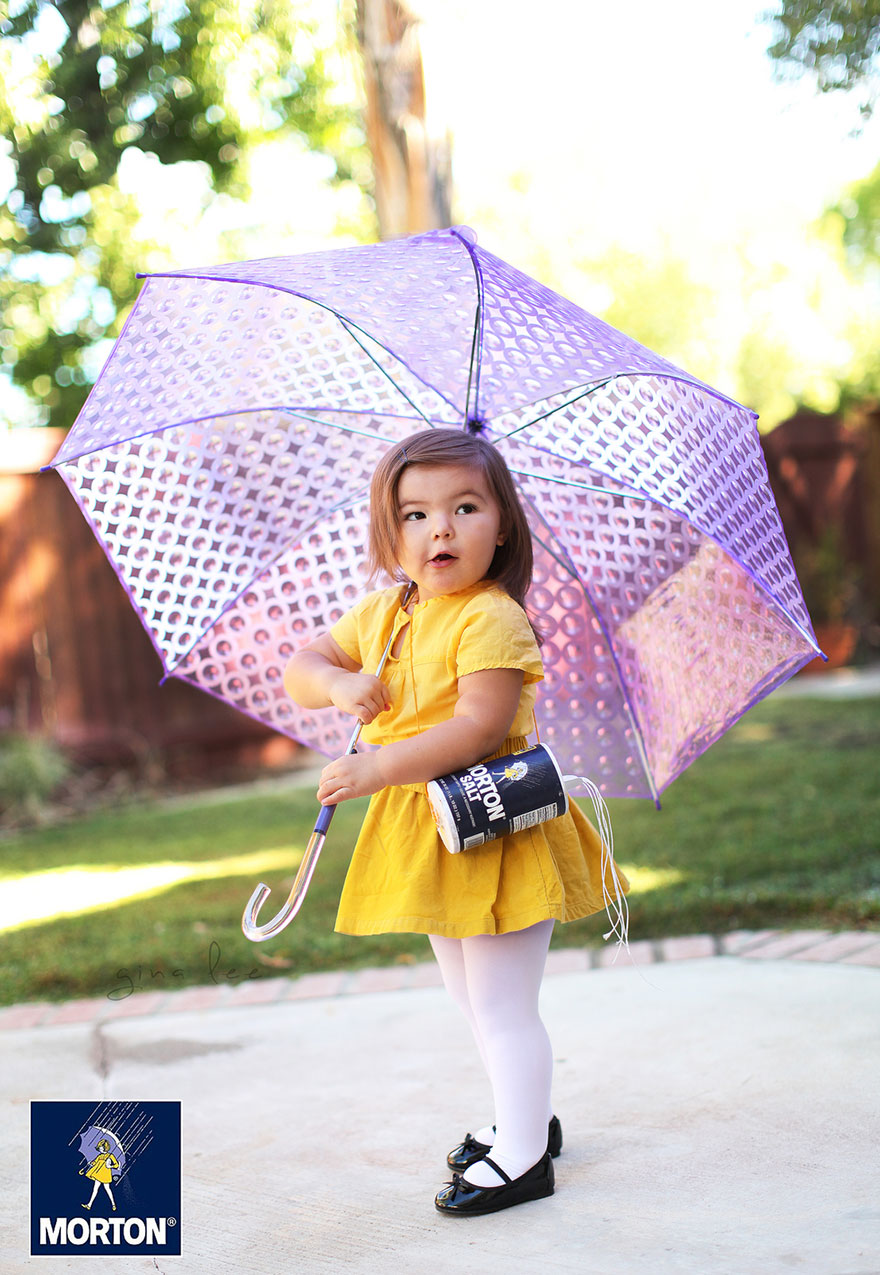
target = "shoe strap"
x: 499, y: 1171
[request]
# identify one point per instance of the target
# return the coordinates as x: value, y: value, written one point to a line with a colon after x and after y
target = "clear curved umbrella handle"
x: 259, y: 933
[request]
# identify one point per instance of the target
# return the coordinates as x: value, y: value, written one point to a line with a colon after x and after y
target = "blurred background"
x: 704, y: 177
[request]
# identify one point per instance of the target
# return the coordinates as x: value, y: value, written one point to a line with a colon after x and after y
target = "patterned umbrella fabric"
x: 223, y: 459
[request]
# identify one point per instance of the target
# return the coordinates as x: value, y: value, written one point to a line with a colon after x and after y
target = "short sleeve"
x: 496, y: 634
x: 363, y: 631
x: 347, y: 630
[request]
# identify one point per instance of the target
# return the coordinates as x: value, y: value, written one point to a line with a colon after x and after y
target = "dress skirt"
x: 402, y: 879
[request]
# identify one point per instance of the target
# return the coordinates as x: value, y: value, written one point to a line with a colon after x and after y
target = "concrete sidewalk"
x: 719, y: 1103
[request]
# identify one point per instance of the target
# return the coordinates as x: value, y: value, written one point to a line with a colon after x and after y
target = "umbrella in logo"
x: 93, y: 1138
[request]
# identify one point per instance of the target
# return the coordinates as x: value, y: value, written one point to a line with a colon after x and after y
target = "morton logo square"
x: 105, y: 1178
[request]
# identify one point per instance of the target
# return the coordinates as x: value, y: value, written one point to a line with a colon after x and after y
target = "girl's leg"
x: 451, y: 961
x: 110, y: 1193
x: 503, y: 975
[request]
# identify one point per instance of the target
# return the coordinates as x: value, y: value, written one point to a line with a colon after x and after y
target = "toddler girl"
x: 458, y: 687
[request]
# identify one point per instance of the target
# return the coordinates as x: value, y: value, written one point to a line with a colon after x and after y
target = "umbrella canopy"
x: 224, y: 455
x: 91, y: 1138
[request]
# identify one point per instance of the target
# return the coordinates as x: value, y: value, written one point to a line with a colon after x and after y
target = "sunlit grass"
x: 643, y: 879
x: 77, y: 890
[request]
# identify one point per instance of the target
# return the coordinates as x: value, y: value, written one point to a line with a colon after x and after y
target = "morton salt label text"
x: 491, y: 799
x: 478, y: 785
x: 105, y: 1178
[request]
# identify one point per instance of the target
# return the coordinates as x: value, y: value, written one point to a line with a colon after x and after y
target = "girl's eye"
x: 411, y: 517
x: 466, y: 508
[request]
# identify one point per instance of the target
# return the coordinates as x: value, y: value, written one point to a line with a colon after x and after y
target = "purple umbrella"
x: 223, y: 459
x: 91, y: 1138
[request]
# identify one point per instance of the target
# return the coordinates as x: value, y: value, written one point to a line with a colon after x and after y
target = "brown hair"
x: 511, y: 566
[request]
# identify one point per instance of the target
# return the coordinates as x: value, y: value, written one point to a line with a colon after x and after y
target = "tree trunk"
x: 412, y: 170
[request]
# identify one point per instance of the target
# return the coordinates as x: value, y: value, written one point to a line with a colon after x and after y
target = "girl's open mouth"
x: 441, y: 559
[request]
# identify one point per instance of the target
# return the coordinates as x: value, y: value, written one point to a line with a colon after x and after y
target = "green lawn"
x: 778, y: 824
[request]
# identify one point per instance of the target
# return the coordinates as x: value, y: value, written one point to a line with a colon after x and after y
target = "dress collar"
x: 479, y: 587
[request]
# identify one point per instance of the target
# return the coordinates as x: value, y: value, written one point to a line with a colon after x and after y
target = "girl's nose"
x: 442, y: 527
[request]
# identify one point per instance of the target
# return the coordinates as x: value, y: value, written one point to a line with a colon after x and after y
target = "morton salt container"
x: 493, y: 798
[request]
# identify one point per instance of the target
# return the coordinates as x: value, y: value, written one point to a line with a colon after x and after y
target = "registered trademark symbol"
x: 172, y: 1221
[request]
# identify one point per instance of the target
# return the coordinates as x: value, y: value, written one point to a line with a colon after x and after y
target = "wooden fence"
x: 825, y: 475
x: 76, y: 664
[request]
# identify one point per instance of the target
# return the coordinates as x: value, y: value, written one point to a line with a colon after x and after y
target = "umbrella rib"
x: 476, y: 363
x: 591, y: 389
x: 630, y: 494
x: 346, y: 322
x: 215, y: 416
x: 170, y: 670
x: 476, y: 357
x: 616, y: 376
x: 387, y: 374
x: 627, y: 702
x: 346, y: 429
x: 681, y: 513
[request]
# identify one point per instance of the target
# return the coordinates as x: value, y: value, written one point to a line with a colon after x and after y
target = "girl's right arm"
x: 322, y: 674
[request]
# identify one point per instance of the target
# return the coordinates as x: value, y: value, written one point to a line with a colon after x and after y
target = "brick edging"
x: 849, y: 947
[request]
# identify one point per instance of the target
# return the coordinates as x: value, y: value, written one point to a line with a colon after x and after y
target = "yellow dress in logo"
x: 100, y: 1170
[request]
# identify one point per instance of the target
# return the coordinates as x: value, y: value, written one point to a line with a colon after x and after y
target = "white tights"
x: 495, y: 980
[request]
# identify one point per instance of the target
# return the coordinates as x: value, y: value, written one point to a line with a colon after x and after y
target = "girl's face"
x: 449, y: 526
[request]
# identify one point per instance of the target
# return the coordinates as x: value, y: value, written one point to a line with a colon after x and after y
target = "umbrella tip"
x: 475, y: 425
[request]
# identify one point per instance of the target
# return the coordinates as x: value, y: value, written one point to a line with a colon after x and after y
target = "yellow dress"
x: 401, y: 877
x: 101, y: 1168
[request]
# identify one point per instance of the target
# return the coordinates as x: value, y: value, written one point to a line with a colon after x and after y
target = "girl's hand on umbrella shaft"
x: 484, y: 712
x: 355, y: 775
x: 361, y: 695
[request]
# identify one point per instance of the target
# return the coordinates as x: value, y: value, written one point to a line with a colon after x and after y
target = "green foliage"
x: 855, y: 223
x: 31, y: 769
x: 860, y: 211
x: 657, y: 301
x: 83, y: 85
x: 837, y: 42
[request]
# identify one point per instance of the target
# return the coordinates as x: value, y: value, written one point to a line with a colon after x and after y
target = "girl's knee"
x: 497, y: 1015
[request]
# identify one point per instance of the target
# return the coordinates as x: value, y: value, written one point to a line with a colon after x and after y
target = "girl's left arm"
x: 486, y: 706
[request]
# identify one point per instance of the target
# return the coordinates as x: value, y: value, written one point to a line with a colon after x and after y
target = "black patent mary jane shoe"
x: 460, y: 1198
x: 469, y: 1151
